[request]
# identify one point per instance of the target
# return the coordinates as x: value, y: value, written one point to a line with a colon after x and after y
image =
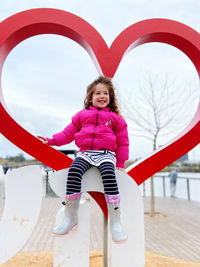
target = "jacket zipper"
x: 95, y: 130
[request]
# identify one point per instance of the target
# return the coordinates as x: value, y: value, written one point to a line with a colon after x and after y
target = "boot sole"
x: 72, y: 229
x: 120, y: 242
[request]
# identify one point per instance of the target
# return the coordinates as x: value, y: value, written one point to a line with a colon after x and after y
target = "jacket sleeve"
x: 122, y: 152
x: 68, y: 134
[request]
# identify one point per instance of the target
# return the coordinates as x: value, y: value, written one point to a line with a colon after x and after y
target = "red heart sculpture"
x: 29, y: 23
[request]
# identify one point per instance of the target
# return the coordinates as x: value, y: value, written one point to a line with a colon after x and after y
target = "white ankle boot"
x: 118, y: 234
x: 70, y: 220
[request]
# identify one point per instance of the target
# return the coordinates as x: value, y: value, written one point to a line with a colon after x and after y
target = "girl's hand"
x: 121, y: 169
x: 43, y: 139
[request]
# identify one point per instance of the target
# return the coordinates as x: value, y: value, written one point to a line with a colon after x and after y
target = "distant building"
x: 185, y: 162
x: 183, y: 158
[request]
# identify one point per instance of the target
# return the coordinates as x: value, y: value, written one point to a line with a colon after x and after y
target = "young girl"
x: 101, y: 134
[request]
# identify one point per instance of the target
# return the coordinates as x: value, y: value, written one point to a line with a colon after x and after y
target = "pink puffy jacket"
x: 96, y: 129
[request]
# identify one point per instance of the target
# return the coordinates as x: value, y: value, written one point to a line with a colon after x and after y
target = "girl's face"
x: 100, y: 97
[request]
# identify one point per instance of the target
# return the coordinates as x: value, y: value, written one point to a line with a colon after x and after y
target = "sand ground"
x: 45, y: 259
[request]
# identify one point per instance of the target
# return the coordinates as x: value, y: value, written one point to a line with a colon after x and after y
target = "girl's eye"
x: 98, y: 93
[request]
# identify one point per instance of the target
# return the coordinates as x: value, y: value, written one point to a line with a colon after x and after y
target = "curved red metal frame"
x: 32, y: 22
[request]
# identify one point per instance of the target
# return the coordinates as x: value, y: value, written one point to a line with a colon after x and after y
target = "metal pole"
x: 47, y: 181
x: 144, y: 193
x: 164, y: 191
x: 105, y: 243
x: 188, y: 188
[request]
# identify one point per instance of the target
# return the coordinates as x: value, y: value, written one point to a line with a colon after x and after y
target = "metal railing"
x: 188, y: 179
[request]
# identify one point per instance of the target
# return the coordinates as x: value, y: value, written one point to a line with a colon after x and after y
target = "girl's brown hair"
x: 108, y: 83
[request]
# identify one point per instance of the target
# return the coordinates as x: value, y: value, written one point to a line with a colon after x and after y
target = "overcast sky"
x: 45, y: 77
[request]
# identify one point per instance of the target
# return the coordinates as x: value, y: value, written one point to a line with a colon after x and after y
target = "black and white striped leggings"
x: 80, y: 166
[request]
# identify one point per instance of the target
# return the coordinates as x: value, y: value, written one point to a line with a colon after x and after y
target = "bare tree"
x: 159, y: 108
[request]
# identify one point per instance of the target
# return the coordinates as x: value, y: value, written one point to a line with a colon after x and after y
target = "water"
x: 181, y: 186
